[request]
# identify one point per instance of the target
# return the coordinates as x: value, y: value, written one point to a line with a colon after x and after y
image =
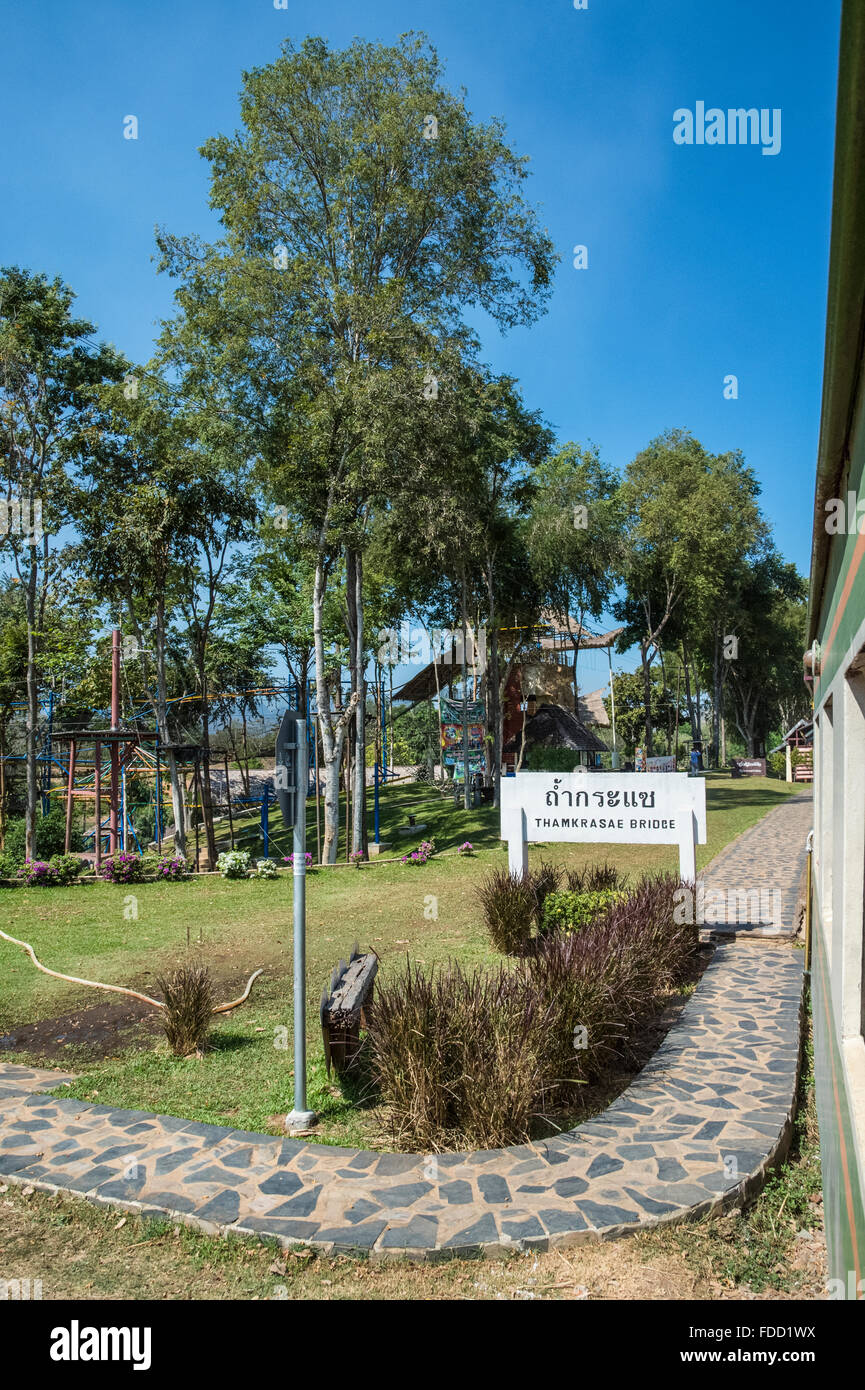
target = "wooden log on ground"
x: 342, y: 1010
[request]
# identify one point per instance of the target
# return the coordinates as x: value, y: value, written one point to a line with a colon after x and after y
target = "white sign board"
x: 632, y: 808
x: 665, y: 763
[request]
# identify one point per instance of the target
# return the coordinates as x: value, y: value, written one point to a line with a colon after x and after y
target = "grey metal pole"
x: 300, y: 1117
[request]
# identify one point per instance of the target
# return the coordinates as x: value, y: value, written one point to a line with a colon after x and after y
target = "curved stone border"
x: 695, y: 1132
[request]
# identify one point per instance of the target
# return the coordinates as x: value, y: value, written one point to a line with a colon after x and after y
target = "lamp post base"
x: 299, y: 1120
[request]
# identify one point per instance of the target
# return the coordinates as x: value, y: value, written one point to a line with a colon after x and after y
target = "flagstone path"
x: 758, y: 874
x: 694, y: 1132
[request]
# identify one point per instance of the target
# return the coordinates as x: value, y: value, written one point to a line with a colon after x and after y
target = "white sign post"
x: 646, y: 808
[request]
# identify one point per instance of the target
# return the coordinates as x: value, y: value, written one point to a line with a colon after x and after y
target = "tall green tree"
x: 683, y: 506
x: 50, y: 423
x: 576, y: 538
x: 363, y: 211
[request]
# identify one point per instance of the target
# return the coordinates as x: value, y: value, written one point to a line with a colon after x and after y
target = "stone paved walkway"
x: 755, y: 879
x: 695, y: 1131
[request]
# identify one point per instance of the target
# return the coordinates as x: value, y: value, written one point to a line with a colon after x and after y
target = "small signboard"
x: 650, y: 808
x: 285, y: 766
x: 749, y: 767
x: 665, y: 763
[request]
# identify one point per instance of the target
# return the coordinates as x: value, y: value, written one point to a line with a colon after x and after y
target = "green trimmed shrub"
x: 65, y: 867
x: 571, y: 911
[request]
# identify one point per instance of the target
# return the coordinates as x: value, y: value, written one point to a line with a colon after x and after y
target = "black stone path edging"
x: 694, y: 1133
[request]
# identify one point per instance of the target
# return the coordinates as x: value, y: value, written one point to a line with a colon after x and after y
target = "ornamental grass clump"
x: 509, y: 906
x: 478, y: 1058
x: 545, y: 879
x: 595, y: 878
x: 455, y: 1055
x: 188, y: 999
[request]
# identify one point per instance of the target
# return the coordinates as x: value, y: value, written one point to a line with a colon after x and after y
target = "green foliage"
x: 9, y: 866
x: 545, y: 879
x: 571, y: 911
x: 629, y: 692
x: 65, y: 868
x: 234, y: 863
x: 50, y: 836
x: 552, y: 759
x: 575, y: 532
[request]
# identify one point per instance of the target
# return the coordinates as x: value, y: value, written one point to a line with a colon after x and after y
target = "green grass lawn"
x: 427, y: 913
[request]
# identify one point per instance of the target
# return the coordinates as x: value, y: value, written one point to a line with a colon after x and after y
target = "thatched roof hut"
x: 553, y: 726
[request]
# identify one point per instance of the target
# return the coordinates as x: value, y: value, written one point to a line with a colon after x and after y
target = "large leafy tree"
x: 363, y: 209
x: 687, y: 511
x: 765, y: 684
x: 50, y: 423
x: 576, y: 538
x: 138, y: 511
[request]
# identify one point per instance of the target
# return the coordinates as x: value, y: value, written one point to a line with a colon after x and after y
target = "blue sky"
x: 702, y: 260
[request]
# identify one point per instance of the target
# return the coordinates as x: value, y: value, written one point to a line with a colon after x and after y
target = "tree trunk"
x: 359, y: 829
x: 332, y: 730
x: 647, y: 697
x: 667, y: 712
x: 495, y: 710
x: 177, y: 802
x: 717, y: 697
x: 688, y: 695
x: 2, y: 785
x: 466, y: 796
x: 32, y: 719
x: 206, y: 796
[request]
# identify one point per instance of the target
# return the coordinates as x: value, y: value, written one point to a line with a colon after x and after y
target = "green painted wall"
x: 841, y: 552
x: 843, y: 1180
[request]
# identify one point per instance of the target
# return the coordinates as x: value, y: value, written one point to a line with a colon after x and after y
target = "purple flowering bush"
x: 424, y: 851
x: 122, y: 868
x: 37, y: 873
x: 289, y: 859
x: 59, y: 870
x: 171, y: 869
x: 466, y: 847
